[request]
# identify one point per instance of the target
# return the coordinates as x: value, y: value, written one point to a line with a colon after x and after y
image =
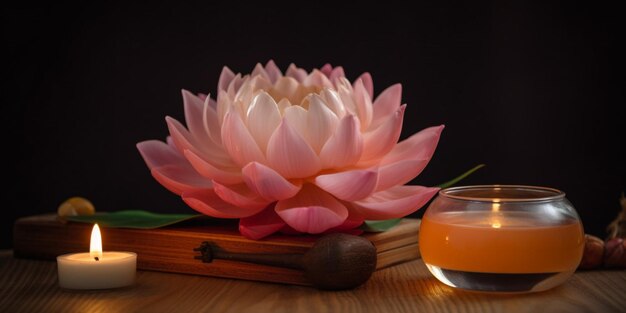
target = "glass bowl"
x: 501, y: 238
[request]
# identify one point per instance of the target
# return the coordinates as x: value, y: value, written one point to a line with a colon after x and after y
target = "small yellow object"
x: 76, y: 206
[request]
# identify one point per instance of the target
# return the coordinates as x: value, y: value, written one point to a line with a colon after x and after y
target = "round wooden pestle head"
x: 340, y: 261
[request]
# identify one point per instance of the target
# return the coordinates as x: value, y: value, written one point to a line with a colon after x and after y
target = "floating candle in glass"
x: 501, y: 238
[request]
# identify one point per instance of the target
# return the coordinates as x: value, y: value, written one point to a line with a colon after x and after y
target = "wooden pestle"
x: 335, y: 262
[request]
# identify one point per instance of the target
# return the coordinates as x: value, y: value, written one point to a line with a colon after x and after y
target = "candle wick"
x: 97, y: 258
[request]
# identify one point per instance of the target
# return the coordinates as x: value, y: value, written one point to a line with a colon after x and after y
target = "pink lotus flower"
x: 295, y: 152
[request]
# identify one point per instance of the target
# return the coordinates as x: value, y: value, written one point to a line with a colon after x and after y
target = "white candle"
x: 96, y: 269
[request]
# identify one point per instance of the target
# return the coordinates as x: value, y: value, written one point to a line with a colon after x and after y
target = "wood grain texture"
x: 31, y: 286
x: 170, y: 249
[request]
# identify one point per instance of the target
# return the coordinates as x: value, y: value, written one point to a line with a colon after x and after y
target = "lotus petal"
x: 420, y: 146
x: 261, y: 225
x: 221, y: 175
x: 263, y: 118
x: 226, y: 77
x: 284, y: 88
x: 317, y: 78
x: 385, y: 104
x: 349, y: 185
x: 394, y: 202
x: 169, y: 168
x: 241, y: 196
x: 312, y: 210
x: 290, y: 155
x: 179, y: 178
x: 326, y: 69
x: 238, y: 141
x: 259, y: 70
x: 297, y: 73
x: 157, y: 153
x: 336, y: 73
x: 211, y: 122
x: 399, y: 173
x: 345, y: 146
x: 273, y: 71
x: 333, y: 102
x: 297, y: 118
x: 363, y: 104
x: 206, y: 201
x: 380, y: 141
x: 321, y: 123
x: 368, y: 83
x: 408, y: 158
x: 268, y: 183
x: 194, y: 109
x: 183, y: 140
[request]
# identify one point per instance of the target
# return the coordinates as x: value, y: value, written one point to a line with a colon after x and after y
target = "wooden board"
x: 170, y: 249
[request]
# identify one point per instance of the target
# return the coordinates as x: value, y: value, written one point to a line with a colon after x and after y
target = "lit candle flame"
x: 495, y: 208
x: 95, y: 248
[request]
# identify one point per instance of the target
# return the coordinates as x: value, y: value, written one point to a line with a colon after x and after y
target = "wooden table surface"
x: 31, y: 286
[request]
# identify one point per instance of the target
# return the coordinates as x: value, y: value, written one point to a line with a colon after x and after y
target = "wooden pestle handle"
x: 335, y: 262
x: 210, y: 252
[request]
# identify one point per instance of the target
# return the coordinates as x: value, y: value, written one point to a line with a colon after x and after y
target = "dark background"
x: 535, y: 91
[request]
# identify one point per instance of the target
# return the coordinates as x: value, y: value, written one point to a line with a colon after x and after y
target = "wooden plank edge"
x: 31, y: 231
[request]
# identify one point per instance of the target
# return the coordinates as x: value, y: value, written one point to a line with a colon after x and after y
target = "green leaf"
x: 132, y: 219
x: 461, y: 177
x: 380, y: 226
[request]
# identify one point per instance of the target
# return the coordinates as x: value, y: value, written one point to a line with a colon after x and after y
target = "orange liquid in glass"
x: 493, y: 242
